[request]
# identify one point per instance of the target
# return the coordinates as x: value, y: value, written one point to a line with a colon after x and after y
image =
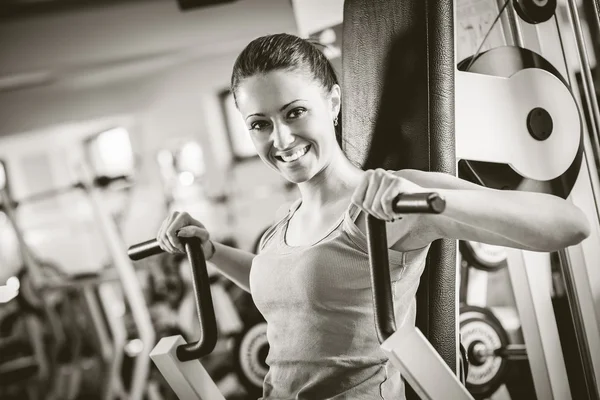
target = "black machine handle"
x: 201, y: 285
x: 383, y: 304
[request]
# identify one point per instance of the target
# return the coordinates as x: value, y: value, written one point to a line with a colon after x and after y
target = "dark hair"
x: 283, y: 51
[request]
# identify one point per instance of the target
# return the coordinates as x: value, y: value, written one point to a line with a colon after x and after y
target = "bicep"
x: 438, y: 180
x: 457, y: 230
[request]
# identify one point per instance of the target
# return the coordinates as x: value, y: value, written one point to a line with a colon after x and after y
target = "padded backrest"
x: 398, y: 94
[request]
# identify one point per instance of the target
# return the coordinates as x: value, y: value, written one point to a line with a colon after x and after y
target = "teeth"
x: 296, y: 155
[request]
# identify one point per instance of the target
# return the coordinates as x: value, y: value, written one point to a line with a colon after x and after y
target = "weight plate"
x: 479, y: 328
x: 483, y: 256
x: 252, y: 348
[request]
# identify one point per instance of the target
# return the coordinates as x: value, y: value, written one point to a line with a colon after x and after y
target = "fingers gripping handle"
x: 201, y: 285
x: 383, y: 304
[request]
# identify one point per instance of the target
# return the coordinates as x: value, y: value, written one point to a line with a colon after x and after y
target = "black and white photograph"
x: 299, y: 200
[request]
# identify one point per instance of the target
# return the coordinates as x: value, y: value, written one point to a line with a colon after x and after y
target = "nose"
x: 282, y: 136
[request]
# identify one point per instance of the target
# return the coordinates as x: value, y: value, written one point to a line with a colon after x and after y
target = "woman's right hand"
x: 181, y: 224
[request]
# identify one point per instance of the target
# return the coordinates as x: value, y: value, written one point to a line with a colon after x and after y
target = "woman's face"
x: 290, y: 119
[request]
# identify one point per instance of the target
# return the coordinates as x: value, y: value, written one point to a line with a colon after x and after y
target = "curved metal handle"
x: 202, y: 295
x: 383, y: 300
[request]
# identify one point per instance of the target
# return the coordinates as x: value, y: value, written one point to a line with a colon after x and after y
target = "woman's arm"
x: 525, y: 220
x: 234, y: 263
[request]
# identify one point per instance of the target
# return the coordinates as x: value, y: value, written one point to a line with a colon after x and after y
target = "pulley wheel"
x: 535, y: 11
x: 505, y: 61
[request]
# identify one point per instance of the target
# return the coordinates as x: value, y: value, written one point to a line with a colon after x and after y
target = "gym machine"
x: 57, y: 345
x: 534, y: 136
x: 407, y: 348
x: 538, y: 133
x: 111, y: 340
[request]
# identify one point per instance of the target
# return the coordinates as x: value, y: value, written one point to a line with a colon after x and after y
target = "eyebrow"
x: 280, y: 110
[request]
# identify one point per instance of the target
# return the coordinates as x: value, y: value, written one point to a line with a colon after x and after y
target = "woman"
x: 310, y: 279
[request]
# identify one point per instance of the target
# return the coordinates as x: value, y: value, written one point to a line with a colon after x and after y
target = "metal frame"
x: 532, y: 295
x: 536, y: 88
x: 579, y: 263
x: 189, y: 380
x: 422, y: 367
x: 109, y: 298
x: 131, y: 286
x: 95, y: 310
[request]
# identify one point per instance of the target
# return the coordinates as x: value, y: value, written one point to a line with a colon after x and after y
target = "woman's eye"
x: 296, y: 112
x: 258, y: 125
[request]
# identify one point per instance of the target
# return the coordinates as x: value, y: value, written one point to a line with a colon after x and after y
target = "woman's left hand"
x: 377, y: 190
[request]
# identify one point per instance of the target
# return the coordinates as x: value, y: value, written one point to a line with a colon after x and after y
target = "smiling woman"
x: 298, y: 138
x: 310, y: 279
x: 293, y: 97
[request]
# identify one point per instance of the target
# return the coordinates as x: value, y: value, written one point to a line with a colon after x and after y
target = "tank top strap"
x: 353, y: 212
x: 269, y: 233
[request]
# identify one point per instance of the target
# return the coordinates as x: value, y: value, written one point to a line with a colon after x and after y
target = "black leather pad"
x: 398, y: 94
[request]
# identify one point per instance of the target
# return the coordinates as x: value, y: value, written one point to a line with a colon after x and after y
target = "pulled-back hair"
x: 283, y: 51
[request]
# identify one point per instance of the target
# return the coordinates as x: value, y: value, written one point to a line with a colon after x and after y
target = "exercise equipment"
x: 488, y: 350
x: 548, y: 366
x: 483, y: 256
x: 100, y: 301
x: 42, y: 319
x: 165, y: 283
x: 23, y: 357
x: 407, y: 348
x: 411, y: 54
x: 398, y: 113
x: 508, y: 62
x: 250, y: 351
x: 176, y: 359
x: 247, y: 328
x: 535, y: 11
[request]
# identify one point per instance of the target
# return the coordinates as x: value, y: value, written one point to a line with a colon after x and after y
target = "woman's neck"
x: 335, y: 180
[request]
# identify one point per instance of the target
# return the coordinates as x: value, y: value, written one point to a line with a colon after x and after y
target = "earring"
x: 335, y: 121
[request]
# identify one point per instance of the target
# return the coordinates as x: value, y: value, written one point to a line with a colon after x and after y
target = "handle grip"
x: 143, y: 250
x: 202, y: 295
x: 383, y: 304
x: 418, y: 203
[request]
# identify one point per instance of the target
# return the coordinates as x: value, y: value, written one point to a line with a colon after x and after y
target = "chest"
x: 328, y: 274
x: 306, y: 228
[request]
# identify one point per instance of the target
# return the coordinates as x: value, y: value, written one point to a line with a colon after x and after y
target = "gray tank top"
x: 317, y: 302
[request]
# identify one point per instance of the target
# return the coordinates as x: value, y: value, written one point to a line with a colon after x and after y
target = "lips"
x: 293, y: 155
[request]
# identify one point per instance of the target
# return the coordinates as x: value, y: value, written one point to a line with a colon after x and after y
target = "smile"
x: 288, y: 158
